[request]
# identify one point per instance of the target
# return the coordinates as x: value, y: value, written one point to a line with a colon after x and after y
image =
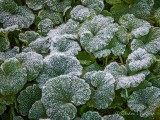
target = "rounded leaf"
x: 13, y: 77
x: 27, y: 98
x: 33, y: 63
x: 91, y: 116
x: 4, y: 44
x: 145, y: 101
x: 103, y: 88
x: 56, y: 65
x: 62, y: 94
x: 113, y: 117
x: 34, y: 4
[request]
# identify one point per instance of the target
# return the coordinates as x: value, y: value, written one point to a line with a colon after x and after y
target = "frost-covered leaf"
x: 37, y: 111
x: 52, y: 15
x: 33, y: 63
x: 91, y: 116
x: 139, y: 60
x: 9, y: 54
x: 4, y: 44
x: 40, y: 45
x: 35, y: 4
x: 71, y: 27
x: 113, y: 117
x: 56, y: 65
x: 122, y: 79
x: 62, y: 94
x: 17, y: 118
x: 58, y: 5
x: 28, y: 36
x: 81, y: 13
x: 145, y: 101
x: 45, y: 26
x: 66, y: 45
x: 2, y: 108
x: 138, y: 27
x: 97, y: 33
x: 13, y: 77
x: 23, y: 17
x: 27, y: 98
x: 9, y: 29
x: 97, y: 5
x: 103, y: 89
x: 150, y: 42
x: 157, y: 16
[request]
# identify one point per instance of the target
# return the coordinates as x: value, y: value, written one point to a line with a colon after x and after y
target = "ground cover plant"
x: 79, y: 59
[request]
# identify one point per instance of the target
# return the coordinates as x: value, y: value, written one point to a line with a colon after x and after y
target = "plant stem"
x: 121, y: 59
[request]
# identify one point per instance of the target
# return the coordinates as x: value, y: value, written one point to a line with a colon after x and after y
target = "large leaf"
x: 13, y: 77
x: 145, y: 101
x: 62, y: 94
x: 103, y: 91
x: 56, y: 65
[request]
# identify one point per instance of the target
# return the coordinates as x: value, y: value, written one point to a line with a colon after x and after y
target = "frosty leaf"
x: 58, y: 5
x: 45, y: 26
x: 138, y: 27
x: 9, y: 29
x: 113, y: 117
x: 150, y: 42
x: 2, y: 108
x: 145, y: 101
x: 17, y: 118
x: 9, y: 54
x: 122, y: 79
x: 112, y: 2
x: 97, y: 33
x: 13, y: 77
x: 81, y: 13
x: 157, y: 16
x: 37, y: 111
x: 4, y: 44
x: 23, y: 17
x: 139, y: 60
x: 27, y: 98
x: 34, y: 4
x: 33, y: 63
x: 28, y: 36
x: 66, y: 45
x: 7, y: 6
x: 97, y: 5
x: 91, y: 116
x: 40, y: 45
x: 71, y: 27
x: 62, y: 94
x: 56, y: 65
x: 52, y: 15
x: 103, y: 88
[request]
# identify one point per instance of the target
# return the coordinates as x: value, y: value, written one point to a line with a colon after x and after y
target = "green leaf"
x: 145, y: 101
x: 91, y: 116
x: 27, y: 98
x: 65, y: 44
x: 62, y: 94
x: 13, y: 77
x: 103, y: 89
x: 140, y: 60
x: 56, y: 65
x: 4, y: 44
x: 33, y: 63
x: 35, y: 4
x: 2, y: 108
x: 37, y: 111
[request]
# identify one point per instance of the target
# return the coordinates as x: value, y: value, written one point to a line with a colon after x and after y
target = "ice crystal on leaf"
x: 103, y: 91
x: 56, y: 65
x: 27, y: 98
x: 62, y: 94
x: 139, y: 60
x: 35, y: 4
x: 91, y: 116
x: 65, y: 44
x: 113, y: 117
x: 145, y: 101
x: 13, y: 77
x: 33, y: 63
